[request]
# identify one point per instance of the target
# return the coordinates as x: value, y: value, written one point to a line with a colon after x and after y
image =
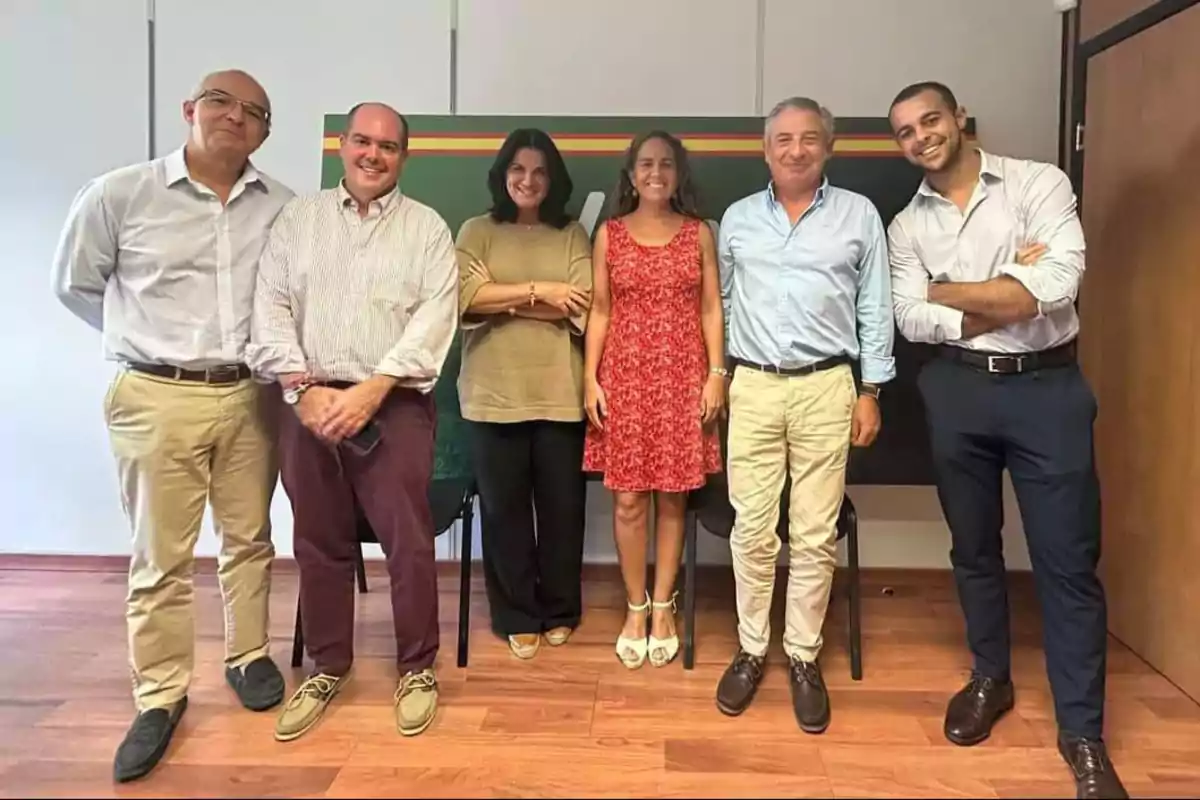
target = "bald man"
x: 161, y: 259
x: 356, y: 308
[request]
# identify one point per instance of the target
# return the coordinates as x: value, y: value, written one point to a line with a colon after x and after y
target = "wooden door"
x: 1140, y: 343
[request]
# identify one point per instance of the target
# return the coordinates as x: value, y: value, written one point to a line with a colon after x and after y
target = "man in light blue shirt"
x: 807, y: 290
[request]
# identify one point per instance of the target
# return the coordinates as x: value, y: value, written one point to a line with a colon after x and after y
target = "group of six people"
x: 263, y: 335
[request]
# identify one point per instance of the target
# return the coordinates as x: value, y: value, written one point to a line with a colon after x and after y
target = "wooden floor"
x: 572, y: 722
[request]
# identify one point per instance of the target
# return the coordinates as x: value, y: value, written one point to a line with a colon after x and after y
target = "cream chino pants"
x: 179, y: 445
x: 800, y: 424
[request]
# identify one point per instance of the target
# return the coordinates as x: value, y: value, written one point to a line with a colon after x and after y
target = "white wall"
x: 86, y: 112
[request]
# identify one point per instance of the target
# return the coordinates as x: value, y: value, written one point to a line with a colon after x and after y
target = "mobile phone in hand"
x: 366, y: 440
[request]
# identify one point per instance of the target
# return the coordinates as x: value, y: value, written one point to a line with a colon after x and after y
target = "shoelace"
x: 806, y: 672
x: 318, y: 686
x: 1088, y: 757
x: 747, y: 665
x: 412, y: 683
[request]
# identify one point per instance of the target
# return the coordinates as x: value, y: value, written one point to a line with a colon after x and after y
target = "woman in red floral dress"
x: 654, y: 377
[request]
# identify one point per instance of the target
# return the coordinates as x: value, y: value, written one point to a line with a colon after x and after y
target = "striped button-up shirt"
x: 798, y: 294
x: 343, y: 297
x: 165, y: 270
x: 1015, y: 203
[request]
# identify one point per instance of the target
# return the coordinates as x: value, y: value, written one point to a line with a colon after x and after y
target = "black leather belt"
x: 1012, y: 363
x: 225, y: 373
x: 808, y: 369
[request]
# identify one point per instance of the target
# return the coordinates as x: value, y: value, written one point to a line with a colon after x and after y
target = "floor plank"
x: 573, y: 721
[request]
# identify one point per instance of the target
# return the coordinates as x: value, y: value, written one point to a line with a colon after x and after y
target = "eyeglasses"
x: 223, y: 101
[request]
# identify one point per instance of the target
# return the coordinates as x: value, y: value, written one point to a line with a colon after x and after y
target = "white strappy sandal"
x: 663, y: 651
x: 632, y: 652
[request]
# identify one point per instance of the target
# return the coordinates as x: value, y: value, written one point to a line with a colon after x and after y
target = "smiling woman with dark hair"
x: 525, y: 288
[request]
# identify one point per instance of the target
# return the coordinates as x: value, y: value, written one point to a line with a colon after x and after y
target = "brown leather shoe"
x: 810, y: 699
x: 739, y: 683
x: 1095, y: 776
x: 976, y: 708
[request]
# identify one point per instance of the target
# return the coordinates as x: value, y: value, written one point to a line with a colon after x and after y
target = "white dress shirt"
x: 342, y: 297
x: 161, y: 267
x: 1015, y: 203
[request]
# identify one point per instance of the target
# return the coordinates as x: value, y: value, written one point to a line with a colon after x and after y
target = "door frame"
x: 1154, y: 14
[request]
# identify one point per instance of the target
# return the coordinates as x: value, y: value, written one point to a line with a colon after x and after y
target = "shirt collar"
x: 380, y: 205
x: 175, y: 170
x: 988, y: 168
x: 822, y: 190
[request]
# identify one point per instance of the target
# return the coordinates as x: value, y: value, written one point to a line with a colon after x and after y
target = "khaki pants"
x: 801, y: 424
x: 179, y: 444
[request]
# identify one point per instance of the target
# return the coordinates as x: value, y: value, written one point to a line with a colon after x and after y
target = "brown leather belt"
x: 1012, y: 363
x: 808, y: 369
x: 223, y: 374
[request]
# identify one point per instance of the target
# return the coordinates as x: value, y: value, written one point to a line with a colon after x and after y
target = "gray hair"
x: 803, y: 104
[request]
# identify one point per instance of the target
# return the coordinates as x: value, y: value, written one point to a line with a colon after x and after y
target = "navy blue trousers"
x: 1038, y: 425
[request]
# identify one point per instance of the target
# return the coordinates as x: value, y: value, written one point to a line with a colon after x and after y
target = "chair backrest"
x: 448, y: 498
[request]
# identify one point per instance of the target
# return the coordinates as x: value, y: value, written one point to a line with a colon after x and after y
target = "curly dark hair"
x: 684, y: 201
x: 553, y: 210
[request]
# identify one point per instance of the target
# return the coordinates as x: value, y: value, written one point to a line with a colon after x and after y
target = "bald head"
x: 241, y: 85
x: 379, y: 116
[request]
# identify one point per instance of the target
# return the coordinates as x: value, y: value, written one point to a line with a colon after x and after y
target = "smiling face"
x: 928, y: 131
x: 527, y: 179
x: 797, y: 147
x: 655, y: 173
x: 229, y: 115
x: 372, y: 153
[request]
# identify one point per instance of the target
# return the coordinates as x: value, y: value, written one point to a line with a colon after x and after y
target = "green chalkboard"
x: 447, y: 169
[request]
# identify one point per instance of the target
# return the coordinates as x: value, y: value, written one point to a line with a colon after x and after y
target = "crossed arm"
x: 1044, y: 276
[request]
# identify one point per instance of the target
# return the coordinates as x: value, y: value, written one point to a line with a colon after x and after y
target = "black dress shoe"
x: 976, y: 708
x: 739, y: 683
x: 259, y: 684
x: 1094, y: 774
x: 146, y: 741
x: 810, y: 699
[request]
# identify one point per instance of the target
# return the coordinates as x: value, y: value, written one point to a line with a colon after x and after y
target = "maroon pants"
x: 391, y: 485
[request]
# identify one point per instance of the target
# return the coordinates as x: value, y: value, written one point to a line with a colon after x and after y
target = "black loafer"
x: 259, y: 684
x: 146, y: 742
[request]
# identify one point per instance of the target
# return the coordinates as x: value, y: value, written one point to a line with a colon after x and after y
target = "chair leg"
x: 466, y: 526
x: 689, y: 595
x: 360, y: 568
x: 855, y: 600
x: 298, y: 639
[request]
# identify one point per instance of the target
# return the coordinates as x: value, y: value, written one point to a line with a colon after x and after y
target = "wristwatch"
x: 869, y: 389
x: 292, y: 394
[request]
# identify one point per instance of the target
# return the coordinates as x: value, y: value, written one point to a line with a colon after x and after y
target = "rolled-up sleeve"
x: 417, y: 359
x: 918, y: 319
x: 274, y: 347
x: 876, y: 323
x: 1050, y: 209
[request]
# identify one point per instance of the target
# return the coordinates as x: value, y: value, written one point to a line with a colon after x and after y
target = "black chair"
x: 710, y: 506
x: 451, y: 500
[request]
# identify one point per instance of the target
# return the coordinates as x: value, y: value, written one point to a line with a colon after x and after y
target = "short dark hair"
x: 684, y: 201
x: 914, y: 89
x: 403, y: 121
x: 553, y: 210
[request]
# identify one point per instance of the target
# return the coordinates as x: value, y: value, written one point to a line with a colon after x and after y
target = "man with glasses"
x: 161, y: 257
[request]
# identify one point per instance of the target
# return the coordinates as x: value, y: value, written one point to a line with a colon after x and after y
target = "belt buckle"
x: 992, y: 360
x: 221, y: 374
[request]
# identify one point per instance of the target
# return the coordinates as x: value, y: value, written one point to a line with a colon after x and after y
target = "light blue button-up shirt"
x: 798, y: 294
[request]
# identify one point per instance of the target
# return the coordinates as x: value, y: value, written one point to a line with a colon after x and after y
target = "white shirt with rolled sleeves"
x: 154, y: 261
x: 343, y: 297
x: 1016, y: 203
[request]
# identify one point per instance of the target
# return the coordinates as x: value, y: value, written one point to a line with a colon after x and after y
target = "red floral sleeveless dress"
x: 653, y: 368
